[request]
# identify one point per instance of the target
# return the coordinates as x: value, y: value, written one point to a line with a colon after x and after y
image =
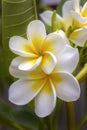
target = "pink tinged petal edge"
x: 22, y: 92
x: 68, y: 59
x: 45, y: 102
x: 69, y: 89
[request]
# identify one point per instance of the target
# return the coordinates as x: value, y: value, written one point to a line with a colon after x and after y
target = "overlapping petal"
x: 78, y: 20
x: 46, y: 100
x: 66, y: 11
x: 76, y: 5
x: 54, y: 43
x: 49, y: 62
x: 21, y: 46
x: 68, y: 59
x: 30, y: 64
x: 36, y: 32
x: 46, y: 16
x: 30, y: 75
x: 22, y: 92
x: 79, y: 36
x: 67, y: 90
x: 84, y: 10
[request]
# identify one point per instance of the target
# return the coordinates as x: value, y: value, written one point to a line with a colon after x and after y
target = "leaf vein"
x: 13, y: 25
x: 21, y: 13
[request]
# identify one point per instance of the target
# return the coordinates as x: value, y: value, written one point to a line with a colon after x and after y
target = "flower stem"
x: 70, y: 115
x: 48, y: 123
x: 55, y: 119
x: 82, y: 75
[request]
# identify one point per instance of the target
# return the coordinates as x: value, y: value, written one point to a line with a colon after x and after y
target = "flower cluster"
x: 44, y: 64
x: 73, y: 21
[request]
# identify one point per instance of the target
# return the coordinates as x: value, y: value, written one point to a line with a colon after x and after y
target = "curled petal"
x: 30, y: 75
x: 30, y: 64
x: 68, y: 89
x: 49, y: 62
x: 22, y: 92
x: 46, y: 100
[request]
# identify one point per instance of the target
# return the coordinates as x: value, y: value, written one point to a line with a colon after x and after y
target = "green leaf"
x: 83, y: 2
x: 26, y: 118
x: 6, y: 118
x: 16, y: 15
x: 20, y: 118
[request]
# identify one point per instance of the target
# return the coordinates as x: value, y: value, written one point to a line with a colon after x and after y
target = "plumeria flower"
x: 38, y: 48
x: 43, y: 87
x: 73, y: 20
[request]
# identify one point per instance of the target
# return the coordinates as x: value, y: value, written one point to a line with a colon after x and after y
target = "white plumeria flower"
x: 74, y: 17
x: 39, y: 49
x: 46, y: 87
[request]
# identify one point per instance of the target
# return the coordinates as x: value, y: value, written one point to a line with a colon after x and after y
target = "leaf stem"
x: 35, y: 9
x: 70, y: 115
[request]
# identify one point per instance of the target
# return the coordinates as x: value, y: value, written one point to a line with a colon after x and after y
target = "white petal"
x: 14, y: 71
x: 68, y: 89
x: 76, y: 5
x: 54, y: 43
x: 46, y: 16
x: 22, y: 92
x: 78, y: 20
x: 48, y: 62
x: 84, y: 10
x: 18, y: 45
x: 66, y: 10
x: 79, y: 36
x: 63, y: 35
x: 68, y: 59
x: 36, y: 32
x: 45, y: 101
x: 30, y: 64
